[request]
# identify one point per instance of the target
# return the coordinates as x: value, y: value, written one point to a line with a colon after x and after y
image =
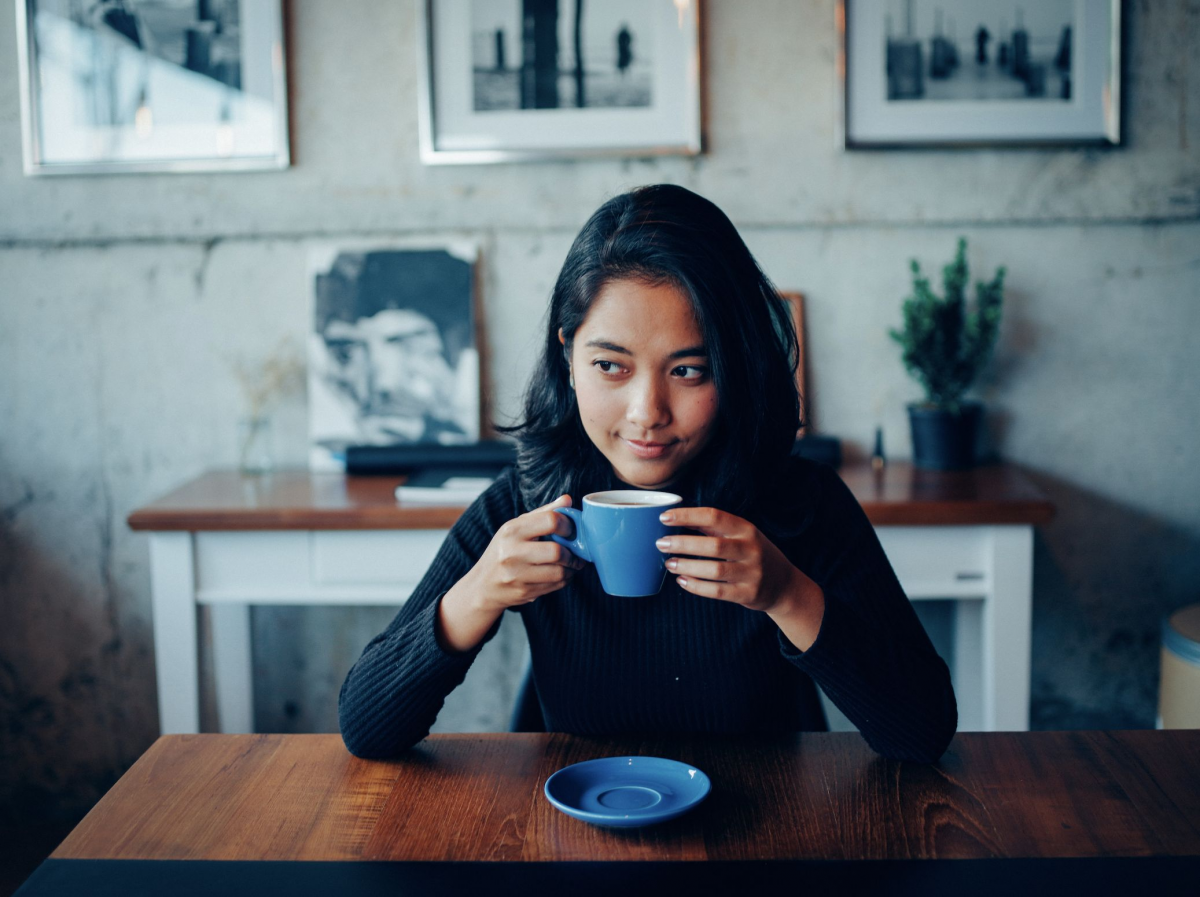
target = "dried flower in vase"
x: 267, y: 383
x: 264, y: 385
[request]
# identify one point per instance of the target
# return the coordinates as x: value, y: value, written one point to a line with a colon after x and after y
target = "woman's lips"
x: 648, y: 450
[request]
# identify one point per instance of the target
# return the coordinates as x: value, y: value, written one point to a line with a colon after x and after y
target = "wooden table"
x: 1027, y: 810
x: 228, y: 541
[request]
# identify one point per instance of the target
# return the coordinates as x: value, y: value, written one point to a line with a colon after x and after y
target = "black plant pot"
x: 943, y: 440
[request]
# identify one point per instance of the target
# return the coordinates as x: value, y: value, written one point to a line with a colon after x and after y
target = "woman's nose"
x: 649, y: 406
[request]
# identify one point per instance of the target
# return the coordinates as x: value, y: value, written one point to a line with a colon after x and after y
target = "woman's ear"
x: 562, y: 339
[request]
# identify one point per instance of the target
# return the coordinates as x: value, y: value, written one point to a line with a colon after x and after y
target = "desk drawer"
x: 252, y: 563
x: 379, y: 557
x: 940, y: 561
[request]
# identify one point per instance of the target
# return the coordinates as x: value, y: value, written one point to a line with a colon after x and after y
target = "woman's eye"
x: 607, y: 367
x: 691, y: 372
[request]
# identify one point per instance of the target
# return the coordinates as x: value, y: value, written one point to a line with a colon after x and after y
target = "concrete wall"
x: 124, y: 301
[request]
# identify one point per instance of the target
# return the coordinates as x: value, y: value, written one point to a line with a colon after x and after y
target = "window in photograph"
x: 152, y: 85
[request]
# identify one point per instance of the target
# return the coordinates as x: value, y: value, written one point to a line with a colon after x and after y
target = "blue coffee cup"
x: 616, y: 531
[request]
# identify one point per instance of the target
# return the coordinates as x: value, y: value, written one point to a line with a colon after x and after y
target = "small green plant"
x: 945, y: 344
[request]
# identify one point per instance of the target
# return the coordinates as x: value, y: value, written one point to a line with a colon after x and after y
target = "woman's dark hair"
x: 666, y: 234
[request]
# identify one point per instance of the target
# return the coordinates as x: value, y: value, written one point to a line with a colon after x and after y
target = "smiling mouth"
x: 648, y: 449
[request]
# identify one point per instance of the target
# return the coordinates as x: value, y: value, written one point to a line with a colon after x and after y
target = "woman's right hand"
x: 518, y: 567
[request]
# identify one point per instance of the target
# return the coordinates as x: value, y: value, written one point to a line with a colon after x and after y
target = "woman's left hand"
x: 731, y: 561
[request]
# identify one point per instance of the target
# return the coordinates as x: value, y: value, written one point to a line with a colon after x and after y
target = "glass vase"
x: 254, y: 445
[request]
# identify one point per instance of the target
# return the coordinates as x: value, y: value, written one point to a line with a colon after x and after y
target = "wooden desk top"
x: 900, y: 495
x: 808, y: 796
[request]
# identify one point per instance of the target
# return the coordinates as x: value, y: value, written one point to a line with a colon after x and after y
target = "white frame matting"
x: 183, y: 122
x: 452, y: 132
x: 871, y: 121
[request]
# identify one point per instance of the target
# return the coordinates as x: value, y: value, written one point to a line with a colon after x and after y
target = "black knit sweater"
x: 678, y: 662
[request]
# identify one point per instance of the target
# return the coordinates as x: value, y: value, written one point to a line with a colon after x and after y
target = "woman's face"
x: 642, y: 380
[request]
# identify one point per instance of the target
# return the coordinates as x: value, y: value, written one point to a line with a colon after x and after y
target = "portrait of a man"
x: 392, y: 357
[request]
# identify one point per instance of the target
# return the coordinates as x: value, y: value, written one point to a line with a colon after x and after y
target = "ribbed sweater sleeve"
x: 394, y: 691
x: 872, y: 657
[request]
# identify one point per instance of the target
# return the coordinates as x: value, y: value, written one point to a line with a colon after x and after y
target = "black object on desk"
x: 484, y: 458
x: 825, y: 449
x: 488, y: 457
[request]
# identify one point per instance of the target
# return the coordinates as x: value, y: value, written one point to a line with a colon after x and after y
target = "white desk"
x: 230, y: 542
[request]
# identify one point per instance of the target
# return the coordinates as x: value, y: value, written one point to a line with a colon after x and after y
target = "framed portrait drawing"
x: 518, y: 80
x: 393, y: 356
x: 980, y: 72
x: 113, y: 86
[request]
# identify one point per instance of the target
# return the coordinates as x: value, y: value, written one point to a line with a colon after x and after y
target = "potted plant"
x: 945, y: 346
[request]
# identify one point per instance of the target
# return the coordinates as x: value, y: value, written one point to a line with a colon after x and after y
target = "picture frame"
x: 529, y: 80
x: 980, y: 73
x: 394, y: 355
x: 133, y: 86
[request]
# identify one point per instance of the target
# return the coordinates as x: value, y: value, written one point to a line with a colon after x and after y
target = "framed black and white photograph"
x: 516, y: 80
x: 981, y: 72
x: 392, y: 355
x: 152, y: 85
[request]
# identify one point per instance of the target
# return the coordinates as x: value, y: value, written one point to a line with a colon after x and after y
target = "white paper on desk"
x: 454, y: 491
x: 479, y: 483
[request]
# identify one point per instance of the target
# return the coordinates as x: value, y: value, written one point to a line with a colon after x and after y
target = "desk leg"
x: 1006, y: 630
x: 232, y: 667
x: 173, y: 591
x: 968, y: 664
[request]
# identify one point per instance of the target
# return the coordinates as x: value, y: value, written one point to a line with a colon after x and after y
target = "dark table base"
x: 1024, y: 877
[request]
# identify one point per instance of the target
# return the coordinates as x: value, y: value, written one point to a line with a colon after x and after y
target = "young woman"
x: 668, y: 364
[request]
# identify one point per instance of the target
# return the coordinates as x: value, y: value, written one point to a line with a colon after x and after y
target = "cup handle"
x: 575, y: 546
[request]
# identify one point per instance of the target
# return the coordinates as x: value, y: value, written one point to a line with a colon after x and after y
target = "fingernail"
x: 672, y: 564
x: 663, y: 544
x: 666, y: 517
x: 682, y: 580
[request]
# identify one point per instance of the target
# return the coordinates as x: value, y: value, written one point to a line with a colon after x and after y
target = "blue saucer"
x: 627, y: 792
